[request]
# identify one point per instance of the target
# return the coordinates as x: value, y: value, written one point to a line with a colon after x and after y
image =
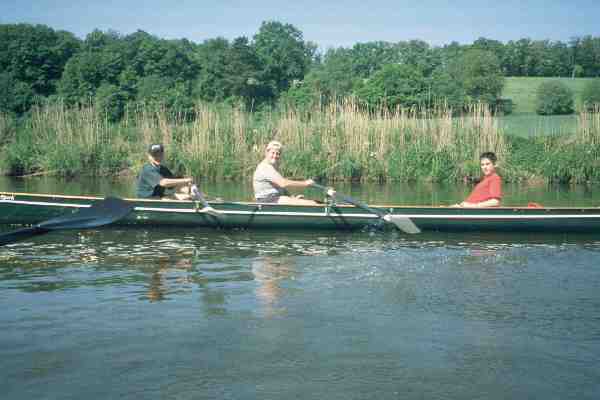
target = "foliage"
x: 277, y: 63
x: 283, y: 53
x: 479, y: 74
x: 111, y: 101
x: 156, y: 93
x: 32, y: 58
x: 504, y: 106
x: 554, y: 98
x: 335, y: 76
x: 302, y: 95
x: 447, y: 90
x: 15, y: 96
x: 590, y: 96
x: 394, y: 86
x: 230, y: 71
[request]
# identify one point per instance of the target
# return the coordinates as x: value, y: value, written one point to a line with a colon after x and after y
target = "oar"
x: 403, y: 223
x: 103, y: 212
x: 206, y: 208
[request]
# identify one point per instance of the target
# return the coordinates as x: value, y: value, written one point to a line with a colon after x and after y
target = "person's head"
x: 273, y: 152
x: 487, y: 161
x: 156, y: 152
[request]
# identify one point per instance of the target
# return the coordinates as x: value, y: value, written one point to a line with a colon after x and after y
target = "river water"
x: 202, y: 313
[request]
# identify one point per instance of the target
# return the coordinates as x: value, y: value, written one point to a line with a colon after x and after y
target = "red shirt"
x: 489, y: 188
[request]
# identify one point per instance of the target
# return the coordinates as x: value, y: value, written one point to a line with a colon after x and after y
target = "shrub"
x: 590, y: 96
x: 111, y: 101
x: 504, y: 106
x: 554, y: 97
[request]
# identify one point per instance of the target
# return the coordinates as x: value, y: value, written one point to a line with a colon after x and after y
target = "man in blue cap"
x: 157, y: 181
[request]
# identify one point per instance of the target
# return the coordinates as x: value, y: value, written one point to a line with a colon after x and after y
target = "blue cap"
x: 156, y: 148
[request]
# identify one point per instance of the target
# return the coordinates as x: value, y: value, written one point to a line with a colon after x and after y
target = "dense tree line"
x: 112, y: 70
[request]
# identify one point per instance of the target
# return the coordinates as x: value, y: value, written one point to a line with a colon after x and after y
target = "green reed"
x: 341, y: 141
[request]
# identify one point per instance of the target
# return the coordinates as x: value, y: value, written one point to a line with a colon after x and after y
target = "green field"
x: 522, y: 91
x: 527, y: 125
x: 524, y: 121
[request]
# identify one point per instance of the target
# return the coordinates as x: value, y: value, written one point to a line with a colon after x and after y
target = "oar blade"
x: 211, y: 211
x: 405, y: 224
x: 101, y: 213
x: 21, y: 234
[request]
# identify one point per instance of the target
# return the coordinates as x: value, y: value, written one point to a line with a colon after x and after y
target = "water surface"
x: 202, y: 313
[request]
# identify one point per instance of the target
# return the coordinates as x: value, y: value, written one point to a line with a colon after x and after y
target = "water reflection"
x: 271, y: 274
x: 163, y: 281
x: 157, y: 265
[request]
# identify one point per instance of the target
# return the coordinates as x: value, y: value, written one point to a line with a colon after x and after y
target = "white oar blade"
x: 403, y: 223
x: 211, y: 211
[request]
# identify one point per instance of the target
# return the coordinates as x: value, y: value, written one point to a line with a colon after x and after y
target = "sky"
x: 327, y: 23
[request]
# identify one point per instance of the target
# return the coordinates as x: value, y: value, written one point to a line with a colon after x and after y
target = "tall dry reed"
x: 338, y: 141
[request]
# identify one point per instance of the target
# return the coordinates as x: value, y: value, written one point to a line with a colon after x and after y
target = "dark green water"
x: 194, y: 314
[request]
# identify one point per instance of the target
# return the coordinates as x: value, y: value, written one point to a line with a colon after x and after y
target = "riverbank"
x: 339, y: 143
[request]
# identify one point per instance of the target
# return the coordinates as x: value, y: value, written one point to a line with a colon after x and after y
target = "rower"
x: 271, y: 187
x: 488, y: 192
x: 156, y: 180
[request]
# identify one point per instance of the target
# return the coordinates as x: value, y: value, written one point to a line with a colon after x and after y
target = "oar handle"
x: 197, y: 195
x: 350, y: 200
x: 402, y: 222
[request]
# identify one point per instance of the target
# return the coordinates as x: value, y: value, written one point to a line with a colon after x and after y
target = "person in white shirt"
x: 271, y: 187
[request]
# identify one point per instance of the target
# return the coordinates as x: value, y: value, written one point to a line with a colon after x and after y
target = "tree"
x: 493, y: 46
x: 447, y: 91
x: 368, y: 58
x: 590, y: 96
x: 419, y: 54
x: 111, y: 101
x: 15, y: 96
x: 283, y: 54
x: 480, y: 75
x: 334, y: 77
x: 82, y: 76
x: 394, y: 85
x: 230, y: 72
x: 112, y: 67
x: 210, y: 83
x: 554, y: 97
x: 32, y: 59
x: 586, y: 53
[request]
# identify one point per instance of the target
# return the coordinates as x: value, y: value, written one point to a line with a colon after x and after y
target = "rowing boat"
x: 28, y: 208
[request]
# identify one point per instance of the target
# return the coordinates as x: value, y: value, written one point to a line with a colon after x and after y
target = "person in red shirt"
x: 488, y: 192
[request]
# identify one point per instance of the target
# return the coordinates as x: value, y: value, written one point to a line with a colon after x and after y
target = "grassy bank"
x: 339, y: 142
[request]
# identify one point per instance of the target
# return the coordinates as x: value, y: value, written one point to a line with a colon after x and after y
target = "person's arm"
x: 174, y: 182
x: 482, y: 204
x: 289, y: 183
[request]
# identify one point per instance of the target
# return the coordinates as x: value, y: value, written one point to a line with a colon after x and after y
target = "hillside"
x: 523, y: 90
